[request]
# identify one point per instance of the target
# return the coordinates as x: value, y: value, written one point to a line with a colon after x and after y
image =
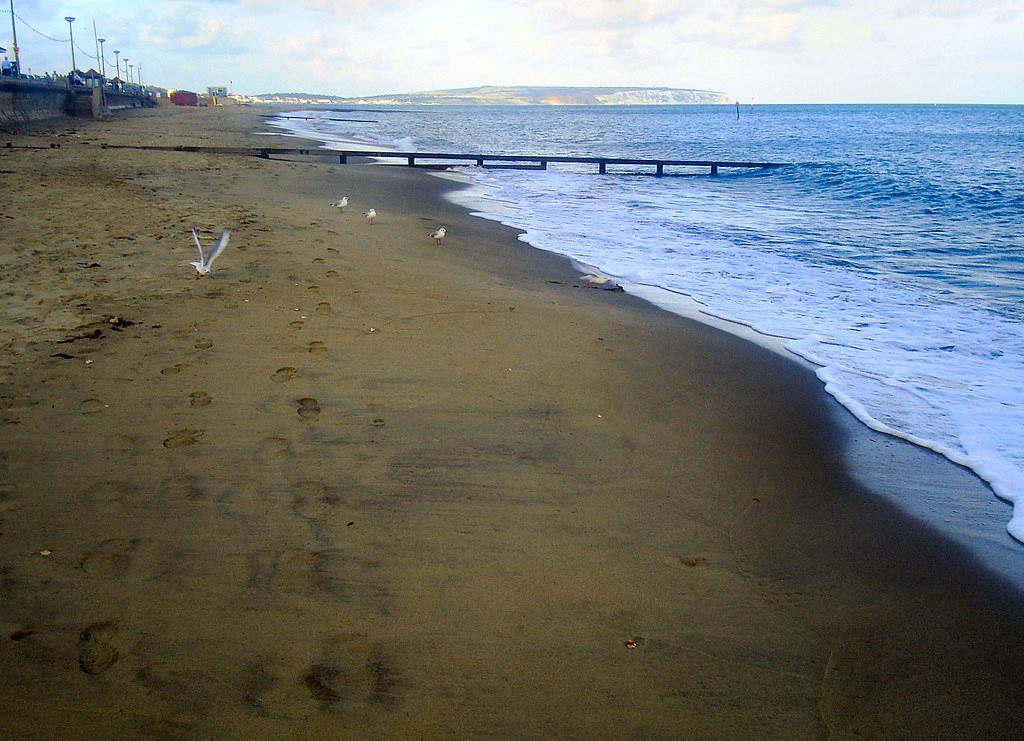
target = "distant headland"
x: 516, y: 95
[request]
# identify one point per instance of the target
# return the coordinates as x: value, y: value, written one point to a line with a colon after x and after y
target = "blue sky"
x: 763, y: 51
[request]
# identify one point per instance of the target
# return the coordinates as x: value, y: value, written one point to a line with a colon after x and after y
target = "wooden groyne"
x: 438, y: 160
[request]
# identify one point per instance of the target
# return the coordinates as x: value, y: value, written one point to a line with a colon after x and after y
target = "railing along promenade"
x: 437, y: 160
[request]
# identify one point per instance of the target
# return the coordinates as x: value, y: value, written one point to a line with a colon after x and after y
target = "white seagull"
x: 370, y: 215
x: 205, y: 263
x: 438, y: 236
x: 340, y: 203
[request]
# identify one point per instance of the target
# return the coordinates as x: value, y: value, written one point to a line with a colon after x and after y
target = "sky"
x: 756, y: 51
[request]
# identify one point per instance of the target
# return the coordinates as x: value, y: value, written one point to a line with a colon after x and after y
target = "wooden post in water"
x: 412, y: 162
x: 714, y: 169
x: 661, y: 169
x: 601, y: 167
x: 342, y: 159
x: 543, y: 164
x: 479, y: 161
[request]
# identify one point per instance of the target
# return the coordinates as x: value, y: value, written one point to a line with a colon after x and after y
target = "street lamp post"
x: 131, y: 68
x: 14, y: 35
x: 117, y: 64
x: 103, y: 62
x: 140, y: 76
x: 71, y: 19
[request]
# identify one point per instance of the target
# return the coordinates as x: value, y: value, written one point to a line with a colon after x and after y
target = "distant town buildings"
x: 287, y: 98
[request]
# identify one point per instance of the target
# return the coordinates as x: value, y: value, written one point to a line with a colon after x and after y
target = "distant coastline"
x: 513, y: 95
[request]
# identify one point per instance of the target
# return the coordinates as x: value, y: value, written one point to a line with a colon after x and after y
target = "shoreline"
x: 936, y: 493
x: 936, y: 483
x: 500, y: 485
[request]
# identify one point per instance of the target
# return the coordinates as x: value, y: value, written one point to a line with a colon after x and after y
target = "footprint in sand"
x: 111, y: 558
x: 320, y: 681
x: 313, y: 289
x: 283, y: 374
x: 92, y: 406
x: 296, y: 324
x: 183, y: 438
x: 174, y: 369
x: 200, y: 399
x: 308, y: 407
x: 316, y: 346
x: 274, y: 448
x: 331, y: 273
x: 7, y: 496
x: 376, y: 680
x: 332, y: 250
x: 313, y: 501
x: 203, y: 344
x: 319, y: 260
x: 107, y: 492
x: 97, y: 650
x: 323, y: 309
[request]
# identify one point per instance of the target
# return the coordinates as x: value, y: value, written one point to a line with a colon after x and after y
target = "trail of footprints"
x: 328, y: 682
x: 308, y: 408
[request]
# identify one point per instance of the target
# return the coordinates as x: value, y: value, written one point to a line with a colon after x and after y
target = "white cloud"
x: 768, y: 49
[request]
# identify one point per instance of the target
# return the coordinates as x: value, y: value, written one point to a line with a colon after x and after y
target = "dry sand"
x: 355, y: 485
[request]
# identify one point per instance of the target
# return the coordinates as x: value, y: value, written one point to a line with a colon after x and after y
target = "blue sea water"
x: 888, y: 252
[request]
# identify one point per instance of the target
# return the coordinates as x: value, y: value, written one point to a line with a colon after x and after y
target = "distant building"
x: 217, y: 92
x: 92, y: 78
x: 184, y: 97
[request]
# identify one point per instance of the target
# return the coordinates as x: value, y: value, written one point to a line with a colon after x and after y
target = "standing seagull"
x: 341, y: 203
x: 438, y: 236
x: 205, y: 264
x: 371, y: 215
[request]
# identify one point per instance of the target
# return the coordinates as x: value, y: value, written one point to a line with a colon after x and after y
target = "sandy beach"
x: 357, y: 485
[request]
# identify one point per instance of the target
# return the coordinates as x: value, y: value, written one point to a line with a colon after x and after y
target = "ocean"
x: 888, y: 252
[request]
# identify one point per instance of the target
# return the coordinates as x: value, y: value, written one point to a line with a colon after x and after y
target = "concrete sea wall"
x: 29, y: 100
x: 24, y: 100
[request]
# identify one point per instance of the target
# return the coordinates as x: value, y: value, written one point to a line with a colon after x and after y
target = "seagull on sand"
x: 438, y: 236
x: 370, y: 215
x: 340, y: 203
x: 205, y: 263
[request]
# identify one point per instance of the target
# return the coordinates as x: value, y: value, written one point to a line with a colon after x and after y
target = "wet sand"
x: 355, y: 485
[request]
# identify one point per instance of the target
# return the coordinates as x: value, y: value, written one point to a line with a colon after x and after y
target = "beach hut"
x: 92, y: 78
x: 184, y: 97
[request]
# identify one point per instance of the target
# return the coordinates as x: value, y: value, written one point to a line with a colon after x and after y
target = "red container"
x: 184, y: 97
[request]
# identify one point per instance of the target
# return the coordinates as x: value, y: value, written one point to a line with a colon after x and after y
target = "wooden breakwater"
x: 440, y: 160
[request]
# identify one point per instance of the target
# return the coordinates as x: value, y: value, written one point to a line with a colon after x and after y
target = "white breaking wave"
x: 912, y: 364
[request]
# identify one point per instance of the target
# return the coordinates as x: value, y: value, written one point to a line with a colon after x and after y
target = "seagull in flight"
x: 438, y: 236
x: 340, y: 203
x: 370, y: 215
x: 205, y: 263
